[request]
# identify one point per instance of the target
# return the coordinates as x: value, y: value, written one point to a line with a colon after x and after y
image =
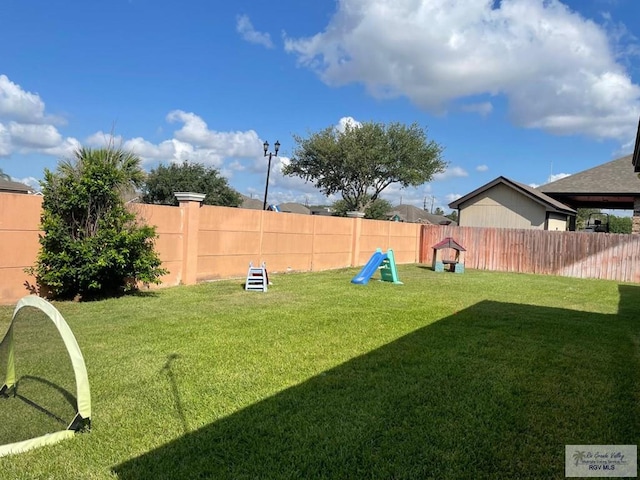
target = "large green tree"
x: 162, y: 182
x: 92, y: 244
x: 364, y: 159
x: 376, y: 210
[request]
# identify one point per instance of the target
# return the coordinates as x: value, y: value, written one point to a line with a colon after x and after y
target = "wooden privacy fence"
x: 569, y: 254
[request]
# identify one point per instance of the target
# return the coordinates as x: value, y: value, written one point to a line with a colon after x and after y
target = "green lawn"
x: 479, y: 375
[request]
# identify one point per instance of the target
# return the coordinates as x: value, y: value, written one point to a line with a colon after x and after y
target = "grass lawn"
x: 480, y: 375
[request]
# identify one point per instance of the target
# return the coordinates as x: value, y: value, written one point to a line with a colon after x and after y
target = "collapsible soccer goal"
x: 45, y: 396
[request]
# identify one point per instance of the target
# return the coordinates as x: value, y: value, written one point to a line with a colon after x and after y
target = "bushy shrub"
x: 92, y: 245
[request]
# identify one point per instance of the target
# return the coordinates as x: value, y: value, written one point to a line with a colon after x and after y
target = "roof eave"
x: 635, y: 159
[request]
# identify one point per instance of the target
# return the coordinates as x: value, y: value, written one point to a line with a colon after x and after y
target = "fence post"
x: 190, y: 208
x: 635, y: 221
x: 355, y: 240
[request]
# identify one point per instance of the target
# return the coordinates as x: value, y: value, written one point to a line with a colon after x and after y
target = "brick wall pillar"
x: 635, y: 226
x: 190, y: 206
x: 355, y: 238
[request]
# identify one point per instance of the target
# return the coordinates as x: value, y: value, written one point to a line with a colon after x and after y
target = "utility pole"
x: 433, y: 199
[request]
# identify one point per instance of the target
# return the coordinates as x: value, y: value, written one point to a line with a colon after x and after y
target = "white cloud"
x: 245, y: 28
x: 233, y: 144
x: 482, y: 168
x: 417, y: 196
x: 344, y: 121
x: 557, y: 176
x: 65, y: 149
x: 102, y: 139
x: 451, y: 197
x: 557, y: 69
x: 451, y: 172
x: 236, y: 166
x: 19, y: 105
x: 5, y: 142
x: 163, y: 151
x: 483, y: 109
x: 285, y: 188
x: 34, y: 136
x: 192, y: 142
x: 24, y: 125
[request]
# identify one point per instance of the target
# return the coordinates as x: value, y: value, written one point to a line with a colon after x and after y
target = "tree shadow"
x: 42, y: 291
x: 494, y: 391
x: 34, y: 407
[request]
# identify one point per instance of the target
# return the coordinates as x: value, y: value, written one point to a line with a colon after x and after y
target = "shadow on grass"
x: 36, y: 407
x: 494, y: 391
x: 53, y: 389
x: 426, y: 267
x: 175, y: 393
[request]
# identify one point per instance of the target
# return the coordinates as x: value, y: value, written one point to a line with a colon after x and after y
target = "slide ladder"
x: 388, y: 269
x: 257, y: 278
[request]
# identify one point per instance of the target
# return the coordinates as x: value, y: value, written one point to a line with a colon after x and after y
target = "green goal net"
x: 44, y: 389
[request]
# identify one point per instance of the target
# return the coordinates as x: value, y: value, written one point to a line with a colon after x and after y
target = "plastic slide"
x: 370, y: 268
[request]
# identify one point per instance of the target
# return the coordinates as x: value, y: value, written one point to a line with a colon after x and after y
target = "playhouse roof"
x: 449, y: 243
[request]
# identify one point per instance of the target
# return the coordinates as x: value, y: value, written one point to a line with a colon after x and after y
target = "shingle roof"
x: 294, y: 208
x: 14, y: 187
x: 412, y: 214
x: 550, y: 203
x: 251, y: 203
x: 614, y: 178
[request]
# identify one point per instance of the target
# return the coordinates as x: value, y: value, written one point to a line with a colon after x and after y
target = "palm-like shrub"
x: 92, y: 245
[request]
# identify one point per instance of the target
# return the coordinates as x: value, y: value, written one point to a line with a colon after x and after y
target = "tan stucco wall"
x: 169, y: 223
x: 557, y: 222
x: 502, y: 207
x: 19, y: 230
x: 197, y: 243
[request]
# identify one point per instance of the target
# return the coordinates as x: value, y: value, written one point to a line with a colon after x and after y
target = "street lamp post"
x: 267, y: 153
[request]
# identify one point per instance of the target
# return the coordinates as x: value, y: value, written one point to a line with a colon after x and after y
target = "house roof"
x: 412, y: 214
x: 251, y: 203
x: 291, y: 207
x: 549, y: 203
x: 14, y: 187
x: 610, y: 185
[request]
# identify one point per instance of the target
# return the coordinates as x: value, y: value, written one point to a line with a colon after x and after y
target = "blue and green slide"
x: 385, y: 262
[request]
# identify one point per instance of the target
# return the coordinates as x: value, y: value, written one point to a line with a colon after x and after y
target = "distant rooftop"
x: 14, y: 187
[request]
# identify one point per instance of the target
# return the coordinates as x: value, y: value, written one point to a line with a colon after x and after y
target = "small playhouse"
x: 443, y: 257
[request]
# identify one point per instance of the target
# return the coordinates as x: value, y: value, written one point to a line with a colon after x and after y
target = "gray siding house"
x: 504, y: 203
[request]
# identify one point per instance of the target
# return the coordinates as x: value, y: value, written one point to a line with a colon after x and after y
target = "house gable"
x: 504, y: 203
x: 503, y: 207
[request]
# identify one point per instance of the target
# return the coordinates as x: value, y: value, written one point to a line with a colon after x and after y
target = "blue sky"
x: 528, y: 89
